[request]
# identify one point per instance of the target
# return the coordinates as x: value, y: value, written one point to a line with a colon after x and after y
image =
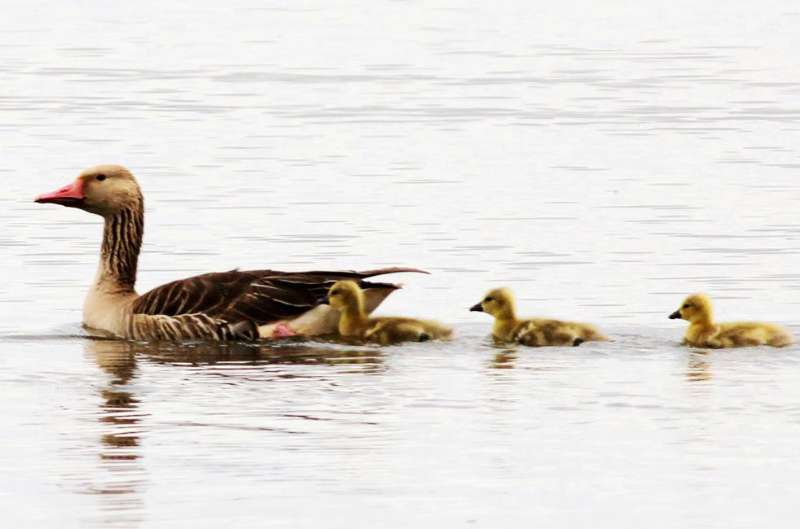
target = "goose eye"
x: 686, y: 306
x: 100, y: 177
x: 488, y: 299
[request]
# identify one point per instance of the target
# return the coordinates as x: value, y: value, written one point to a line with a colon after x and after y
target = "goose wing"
x: 260, y: 296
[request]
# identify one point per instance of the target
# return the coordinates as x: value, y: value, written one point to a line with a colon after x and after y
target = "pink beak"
x: 70, y: 195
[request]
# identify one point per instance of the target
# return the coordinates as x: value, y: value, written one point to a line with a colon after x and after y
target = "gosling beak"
x: 675, y: 315
x: 476, y: 308
x: 70, y: 195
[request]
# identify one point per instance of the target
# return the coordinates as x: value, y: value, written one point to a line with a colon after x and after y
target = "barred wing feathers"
x: 258, y: 296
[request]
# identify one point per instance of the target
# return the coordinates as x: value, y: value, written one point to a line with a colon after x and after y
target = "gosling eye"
x: 686, y: 306
x: 488, y: 299
x: 100, y: 177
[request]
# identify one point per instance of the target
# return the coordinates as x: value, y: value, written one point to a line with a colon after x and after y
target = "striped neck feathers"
x: 122, y: 240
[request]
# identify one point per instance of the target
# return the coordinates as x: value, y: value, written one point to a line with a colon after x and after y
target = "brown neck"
x: 122, y: 239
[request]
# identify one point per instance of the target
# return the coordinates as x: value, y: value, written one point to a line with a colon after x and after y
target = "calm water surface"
x: 602, y: 159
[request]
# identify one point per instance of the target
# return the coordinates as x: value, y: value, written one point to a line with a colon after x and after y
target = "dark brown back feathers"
x: 259, y: 296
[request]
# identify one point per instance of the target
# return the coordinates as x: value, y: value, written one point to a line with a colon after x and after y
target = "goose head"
x: 696, y: 307
x: 103, y: 190
x: 345, y: 294
x: 498, y: 303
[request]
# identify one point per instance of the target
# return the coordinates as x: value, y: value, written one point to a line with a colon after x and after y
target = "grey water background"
x: 603, y: 159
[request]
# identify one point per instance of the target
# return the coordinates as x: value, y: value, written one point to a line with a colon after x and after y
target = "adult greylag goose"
x: 236, y: 305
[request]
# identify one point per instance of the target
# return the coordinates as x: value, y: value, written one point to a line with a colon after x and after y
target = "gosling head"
x: 498, y: 303
x: 103, y: 190
x: 696, y: 307
x: 345, y: 294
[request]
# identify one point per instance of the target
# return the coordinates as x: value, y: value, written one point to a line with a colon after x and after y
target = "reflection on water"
x: 504, y: 360
x: 149, y: 433
x: 122, y: 477
x: 369, y: 360
x: 120, y: 406
x: 698, y: 368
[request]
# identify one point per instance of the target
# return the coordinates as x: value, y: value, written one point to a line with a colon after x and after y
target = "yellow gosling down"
x: 533, y: 332
x: 348, y: 298
x: 703, y: 332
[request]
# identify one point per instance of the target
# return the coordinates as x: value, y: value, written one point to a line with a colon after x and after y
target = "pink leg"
x: 282, y: 330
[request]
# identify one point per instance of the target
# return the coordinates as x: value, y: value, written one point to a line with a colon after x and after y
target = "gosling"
x: 703, y: 332
x: 533, y: 332
x: 348, y: 298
